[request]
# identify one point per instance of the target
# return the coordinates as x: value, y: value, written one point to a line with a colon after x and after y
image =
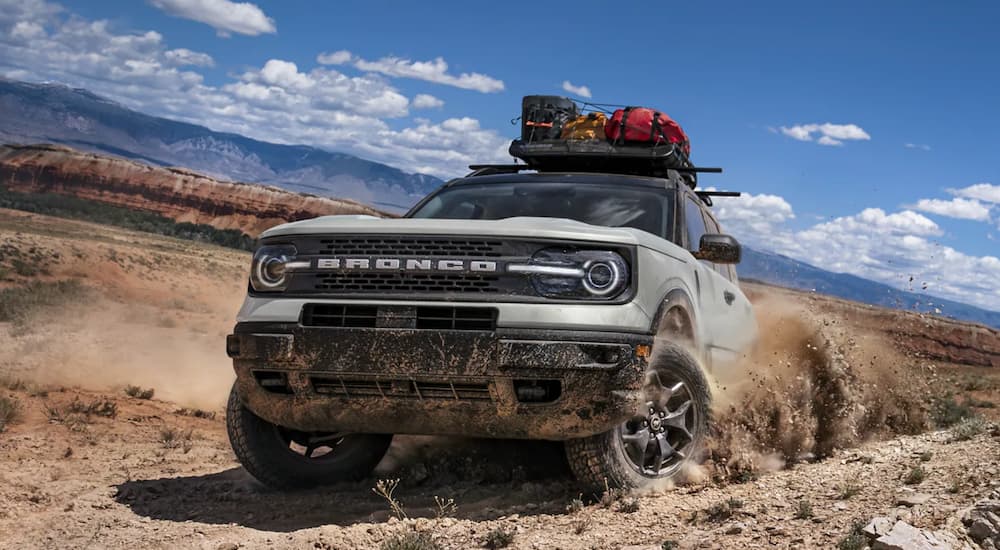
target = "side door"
x: 735, y: 328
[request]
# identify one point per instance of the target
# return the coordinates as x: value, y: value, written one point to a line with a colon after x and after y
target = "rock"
x: 914, y: 499
x: 981, y: 530
x: 227, y: 546
x: 735, y: 529
x: 877, y: 527
x: 904, y: 536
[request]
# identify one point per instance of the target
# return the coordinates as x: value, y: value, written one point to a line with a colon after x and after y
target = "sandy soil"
x: 86, y: 466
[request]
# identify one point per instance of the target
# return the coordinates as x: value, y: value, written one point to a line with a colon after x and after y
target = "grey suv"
x: 579, y: 307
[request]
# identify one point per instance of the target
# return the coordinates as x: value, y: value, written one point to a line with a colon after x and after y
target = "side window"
x: 694, y: 222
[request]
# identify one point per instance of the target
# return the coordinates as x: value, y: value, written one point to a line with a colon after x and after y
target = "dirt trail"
x: 88, y: 467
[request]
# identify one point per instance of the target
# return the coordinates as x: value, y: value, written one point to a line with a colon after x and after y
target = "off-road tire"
x: 600, y: 461
x: 260, y: 450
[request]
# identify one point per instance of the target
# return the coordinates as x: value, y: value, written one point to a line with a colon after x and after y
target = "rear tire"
x: 282, y: 458
x: 665, y: 436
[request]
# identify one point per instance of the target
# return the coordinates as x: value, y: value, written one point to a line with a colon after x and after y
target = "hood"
x: 524, y: 227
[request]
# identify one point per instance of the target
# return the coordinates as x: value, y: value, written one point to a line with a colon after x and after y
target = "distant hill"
x: 781, y: 270
x: 34, y: 113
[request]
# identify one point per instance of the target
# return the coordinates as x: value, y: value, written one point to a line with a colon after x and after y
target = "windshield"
x: 606, y: 205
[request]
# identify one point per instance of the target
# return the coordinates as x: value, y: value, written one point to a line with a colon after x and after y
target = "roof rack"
x: 706, y: 196
x: 490, y: 169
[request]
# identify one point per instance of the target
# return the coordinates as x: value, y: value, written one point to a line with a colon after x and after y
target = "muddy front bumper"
x: 505, y: 383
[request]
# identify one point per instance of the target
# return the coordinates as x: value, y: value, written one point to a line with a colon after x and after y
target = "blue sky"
x: 864, y: 132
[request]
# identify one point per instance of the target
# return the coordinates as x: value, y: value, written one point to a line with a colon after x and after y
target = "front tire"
x: 665, y: 435
x: 282, y: 458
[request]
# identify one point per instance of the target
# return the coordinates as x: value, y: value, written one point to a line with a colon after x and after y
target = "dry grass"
x: 196, y: 413
x: 803, y: 509
x: 411, y: 540
x: 139, y: 393
x: 173, y: 438
x: 501, y: 537
x: 968, y: 428
x: 10, y: 411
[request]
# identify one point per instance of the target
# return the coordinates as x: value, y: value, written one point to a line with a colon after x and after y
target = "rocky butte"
x: 176, y: 193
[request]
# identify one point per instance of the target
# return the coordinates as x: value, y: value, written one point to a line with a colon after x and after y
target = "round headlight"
x: 600, y: 278
x: 270, y: 267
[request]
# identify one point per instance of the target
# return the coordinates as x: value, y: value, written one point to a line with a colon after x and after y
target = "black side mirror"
x: 718, y: 249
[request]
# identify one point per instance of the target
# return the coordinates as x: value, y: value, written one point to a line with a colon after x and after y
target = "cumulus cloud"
x: 965, y: 209
x: 341, y: 57
x: 985, y: 192
x: 426, y: 101
x: 825, y: 134
x: 184, y: 56
x: 874, y: 244
x: 278, y: 101
x: 581, y: 91
x: 750, y: 213
x: 435, y: 71
x: 224, y: 16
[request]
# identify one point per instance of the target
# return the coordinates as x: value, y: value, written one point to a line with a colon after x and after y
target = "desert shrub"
x: 10, y: 411
x: 803, y: 509
x: 855, y: 539
x: 411, y: 540
x: 501, y: 537
x: 947, y: 411
x: 173, y: 438
x: 968, y: 428
x: 138, y: 393
x: 916, y: 476
x: 847, y: 490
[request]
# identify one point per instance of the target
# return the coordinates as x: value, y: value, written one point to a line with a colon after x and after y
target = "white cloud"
x: 985, y: 192
x: 965, y: 209
x: 582, y: 91
x: 184, y: 56
x: 278, y: 101
x: 920, y: 146
x: 435, y: 71
x: 750, y: 213
x: 341, y: 57
x: 224, y: 16
x: 828, y: 134
x: 426, y: 101
x: 885, y: 247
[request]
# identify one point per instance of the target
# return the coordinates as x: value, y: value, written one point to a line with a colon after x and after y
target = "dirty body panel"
x: 502, y: 383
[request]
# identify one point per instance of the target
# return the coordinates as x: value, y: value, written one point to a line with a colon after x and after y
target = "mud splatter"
x: 811, y: 387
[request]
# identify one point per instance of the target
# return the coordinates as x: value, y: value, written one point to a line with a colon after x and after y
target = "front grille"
x: 456, y: 318
x: 336, y: 315
x: 465, y: 283
x: 401, y: 389
x: 418, y: 246
x: 400, y: 317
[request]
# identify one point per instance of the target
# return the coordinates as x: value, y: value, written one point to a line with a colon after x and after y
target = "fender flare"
x: 678, y: 298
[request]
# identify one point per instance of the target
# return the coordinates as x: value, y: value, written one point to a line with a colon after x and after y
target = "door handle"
x: 729, y: 297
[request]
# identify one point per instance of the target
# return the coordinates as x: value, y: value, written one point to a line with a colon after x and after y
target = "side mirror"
x: 718, y: 249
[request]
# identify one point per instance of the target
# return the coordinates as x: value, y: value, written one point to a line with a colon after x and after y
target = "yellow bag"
x: 589, y: 126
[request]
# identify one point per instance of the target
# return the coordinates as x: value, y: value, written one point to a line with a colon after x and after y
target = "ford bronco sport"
x: 581, y: 307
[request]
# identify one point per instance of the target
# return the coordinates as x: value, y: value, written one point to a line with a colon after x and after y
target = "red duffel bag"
x: 645, y: 125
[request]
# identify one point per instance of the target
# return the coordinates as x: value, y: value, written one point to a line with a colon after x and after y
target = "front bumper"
x: 506, y: 383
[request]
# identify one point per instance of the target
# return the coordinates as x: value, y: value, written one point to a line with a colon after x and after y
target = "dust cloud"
x: 811, y: 386
x: 104, y: 345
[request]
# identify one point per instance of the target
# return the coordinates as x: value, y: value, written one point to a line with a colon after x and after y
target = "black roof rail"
x: 489, y: 169
x: 706, y: 196
x: 698, y: 169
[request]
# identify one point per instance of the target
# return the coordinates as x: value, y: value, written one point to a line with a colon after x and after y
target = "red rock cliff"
x: 176, y: 193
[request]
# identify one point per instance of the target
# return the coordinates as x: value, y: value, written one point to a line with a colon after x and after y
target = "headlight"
x: 270, y: 267
x: 569, y: 273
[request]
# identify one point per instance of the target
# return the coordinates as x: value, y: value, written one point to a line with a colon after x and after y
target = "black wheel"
x: 667, y: 433
x: 283, y: 458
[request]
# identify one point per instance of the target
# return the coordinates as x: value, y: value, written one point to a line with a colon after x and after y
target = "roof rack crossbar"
x: 487, y: 169
x: 706, y: 196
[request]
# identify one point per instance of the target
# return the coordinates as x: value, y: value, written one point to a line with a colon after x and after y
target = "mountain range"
x: 53, y: 113
x: 32, y: 113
